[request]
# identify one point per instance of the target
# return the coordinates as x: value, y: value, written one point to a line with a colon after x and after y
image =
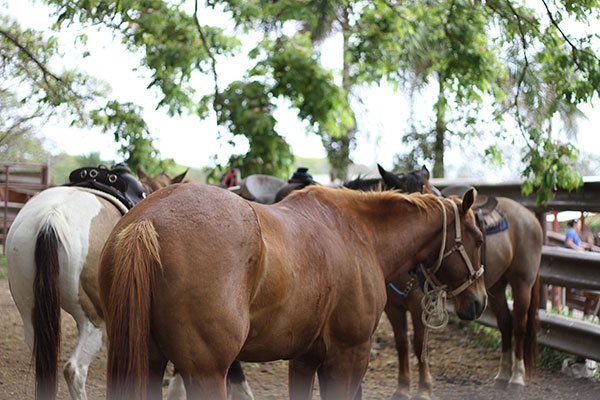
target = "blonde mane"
x: 421, y: 201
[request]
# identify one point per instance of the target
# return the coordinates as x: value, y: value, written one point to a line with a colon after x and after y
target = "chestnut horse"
x: 199, y: 276
x: 71, y: 225
x: 513, y: 256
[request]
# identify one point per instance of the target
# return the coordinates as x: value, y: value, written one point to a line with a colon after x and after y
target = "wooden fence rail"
x: 18, y: 183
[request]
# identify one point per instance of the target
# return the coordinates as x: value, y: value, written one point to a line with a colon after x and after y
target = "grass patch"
x: 487, y: 337
x: 550, y: 358
x: 3, y: 273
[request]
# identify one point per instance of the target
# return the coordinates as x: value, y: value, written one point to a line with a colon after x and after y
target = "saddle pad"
x: 494, y: 221
x: 112, y: 199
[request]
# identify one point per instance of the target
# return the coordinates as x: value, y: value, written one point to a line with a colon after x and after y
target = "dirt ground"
x: 462, y: 368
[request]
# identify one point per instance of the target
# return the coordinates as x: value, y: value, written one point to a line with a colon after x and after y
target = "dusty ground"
x: 461, y: 367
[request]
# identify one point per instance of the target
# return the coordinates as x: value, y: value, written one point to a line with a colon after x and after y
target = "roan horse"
x: 199, y: 276
x: 512, y: 256
x: 59, y: 269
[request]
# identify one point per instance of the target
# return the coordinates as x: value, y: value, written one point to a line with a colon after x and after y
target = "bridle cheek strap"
x: 458, y: 246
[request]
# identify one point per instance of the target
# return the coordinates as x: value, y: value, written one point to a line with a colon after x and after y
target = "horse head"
x: 410, y: 182
x: 457, y: 266
x: 161, y: 180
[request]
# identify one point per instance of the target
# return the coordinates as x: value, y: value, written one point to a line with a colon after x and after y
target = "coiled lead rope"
x: 434, y: 315
x: 433, y: 303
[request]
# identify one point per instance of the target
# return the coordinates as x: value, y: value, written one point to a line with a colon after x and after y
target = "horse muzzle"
x: 472, y: 307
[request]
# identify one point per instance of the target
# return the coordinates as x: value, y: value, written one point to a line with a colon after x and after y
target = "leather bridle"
x: 429, y: 273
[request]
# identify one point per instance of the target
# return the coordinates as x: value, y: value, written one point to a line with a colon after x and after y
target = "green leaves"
x: 493, y: 63
x: 125, y: 122
x: 245, y: 108
x: 549, y: 165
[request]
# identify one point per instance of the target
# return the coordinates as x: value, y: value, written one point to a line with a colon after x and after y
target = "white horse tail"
x: 46, y: 309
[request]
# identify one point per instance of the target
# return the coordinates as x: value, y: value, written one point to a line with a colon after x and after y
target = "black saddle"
x: 299, y: 179
x: 116, y: 181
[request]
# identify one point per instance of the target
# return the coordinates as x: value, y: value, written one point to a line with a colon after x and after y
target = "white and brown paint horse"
x: 53, y: 254
x: 199, y: 276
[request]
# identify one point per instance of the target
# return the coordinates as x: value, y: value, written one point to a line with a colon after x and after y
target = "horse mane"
x: 363, y: 183
x: 409, y: 182
x: 371, y: 197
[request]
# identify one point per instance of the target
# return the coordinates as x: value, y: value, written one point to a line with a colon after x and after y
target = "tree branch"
x: 523, y: 72
x: 574, y: 48
x: 398, y: 13
x: 209, y: 52
x: 46, y: 72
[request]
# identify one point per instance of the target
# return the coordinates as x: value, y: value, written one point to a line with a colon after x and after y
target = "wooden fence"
x: 559, y: 266
x: 18, y: 183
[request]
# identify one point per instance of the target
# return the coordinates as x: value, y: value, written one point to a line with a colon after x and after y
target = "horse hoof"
x: 515, y: 387
x: 422, y: 396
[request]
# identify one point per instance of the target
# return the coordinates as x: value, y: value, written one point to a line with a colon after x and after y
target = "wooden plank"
x: 585, y: 199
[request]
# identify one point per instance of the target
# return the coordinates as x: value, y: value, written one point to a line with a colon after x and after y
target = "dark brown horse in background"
x: 512, y: 256
x: 199, y: 276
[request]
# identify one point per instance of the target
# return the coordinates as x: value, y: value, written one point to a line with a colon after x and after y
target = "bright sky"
x: 191, y: 142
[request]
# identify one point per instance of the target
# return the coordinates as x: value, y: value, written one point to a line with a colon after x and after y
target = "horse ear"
x: 425, y: 172
x: 141, y: 174
x: 180, y: 178
x: 388, y: 178
x: 468, y: 199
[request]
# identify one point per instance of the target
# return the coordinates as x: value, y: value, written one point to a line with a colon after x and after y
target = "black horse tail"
x: 46, y: 312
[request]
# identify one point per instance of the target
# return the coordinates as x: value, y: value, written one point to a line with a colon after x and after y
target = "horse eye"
x: 479, y: 243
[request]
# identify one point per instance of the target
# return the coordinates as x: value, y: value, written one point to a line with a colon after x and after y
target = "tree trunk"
x: 440, y: 132
x: 338, y: 149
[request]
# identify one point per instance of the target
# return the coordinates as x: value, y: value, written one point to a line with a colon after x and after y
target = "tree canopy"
x: 500, y: 69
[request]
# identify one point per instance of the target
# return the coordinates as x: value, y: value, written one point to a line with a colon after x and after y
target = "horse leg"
x: 88, y: 345
x: 522, y: 298
x: 425, y: 381
x: 343, y: 370
x: 237, y: 385
x: 176, y: 389
x: 497, y: 303
x: 206, y: 385
x: 301, y: 377
x: 397, y: 316
x: 158, y: 365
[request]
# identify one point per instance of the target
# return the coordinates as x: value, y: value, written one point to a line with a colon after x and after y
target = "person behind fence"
x: 572, y: 240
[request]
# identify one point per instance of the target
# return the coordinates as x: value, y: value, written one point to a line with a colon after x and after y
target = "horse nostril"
x: 479, y: 306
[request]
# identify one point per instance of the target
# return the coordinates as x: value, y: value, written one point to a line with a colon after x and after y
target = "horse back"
x: 516, y: 250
